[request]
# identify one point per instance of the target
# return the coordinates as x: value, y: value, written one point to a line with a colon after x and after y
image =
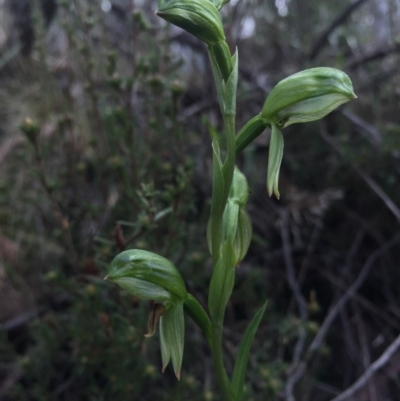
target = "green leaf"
x: 163, y: 213
x: 239, y: 372
x: 222, y: 282
x: 274, y: 160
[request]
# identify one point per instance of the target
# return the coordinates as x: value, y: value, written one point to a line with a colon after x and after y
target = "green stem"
x: 216, y: 226
x: 228, y: 168
x: 218, y: 358
x: 229, y: 163
x: 253, y: 128
x: 194, y: 309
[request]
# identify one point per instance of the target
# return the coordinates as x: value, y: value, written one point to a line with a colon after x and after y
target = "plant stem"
x: 220, y: 371
x: 216, y: 226
x: 229, y: 163
x: 228, y: 168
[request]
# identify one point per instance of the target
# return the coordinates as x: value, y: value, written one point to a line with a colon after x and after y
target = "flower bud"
x: 307, y: 96
x: 148, y: 276
x: 197, y: 17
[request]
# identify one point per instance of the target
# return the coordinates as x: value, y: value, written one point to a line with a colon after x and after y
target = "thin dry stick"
x: 316, y: 343
x: 296, y: 369
x: 362, y: 301
x: 367, y: 178
x: 369, y: 373
x: 340, y: 19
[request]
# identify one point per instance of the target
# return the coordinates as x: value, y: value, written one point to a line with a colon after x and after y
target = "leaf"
x: 239, y: 372
x: 163, y: 213
x: 222, y: 282
x: 274, y: 160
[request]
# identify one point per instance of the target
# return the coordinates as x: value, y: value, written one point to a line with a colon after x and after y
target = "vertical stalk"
x: 216, y: 224
x: 222, y: 377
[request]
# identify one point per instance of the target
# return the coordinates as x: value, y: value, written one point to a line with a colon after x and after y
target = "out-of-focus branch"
x: 366, y: 177
x: 373, y: 55
x: 340, y: 19
x: 323, y: 331
x: 372, y: 133
x: 369, y: 373
x: 296, y: 369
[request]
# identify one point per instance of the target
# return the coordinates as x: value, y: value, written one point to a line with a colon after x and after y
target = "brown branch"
x: 323, y: 331
x: 371, y: 132
x: 373, y: 55
x: 296, y: 369
x: 366, y: 177
x: 369, y: 373
x: 340, y: 19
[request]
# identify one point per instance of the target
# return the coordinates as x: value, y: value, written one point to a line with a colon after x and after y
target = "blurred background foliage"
x: 104, y: 146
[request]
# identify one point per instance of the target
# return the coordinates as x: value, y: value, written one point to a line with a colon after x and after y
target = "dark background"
x: 105, y: 114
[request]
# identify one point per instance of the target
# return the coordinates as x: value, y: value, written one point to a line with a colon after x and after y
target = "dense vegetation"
x: 104, y: 113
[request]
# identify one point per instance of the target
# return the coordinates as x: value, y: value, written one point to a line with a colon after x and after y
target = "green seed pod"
x: 198, y: 17
x: 148, y: 276
x: 307, y: 96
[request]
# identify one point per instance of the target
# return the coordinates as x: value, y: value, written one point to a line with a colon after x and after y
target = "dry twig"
x: 369, y: 373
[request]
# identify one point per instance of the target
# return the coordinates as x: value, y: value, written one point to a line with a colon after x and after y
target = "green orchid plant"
x: 306, y: 96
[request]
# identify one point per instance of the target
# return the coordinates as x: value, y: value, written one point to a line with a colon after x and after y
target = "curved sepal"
x: 172, y: 338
